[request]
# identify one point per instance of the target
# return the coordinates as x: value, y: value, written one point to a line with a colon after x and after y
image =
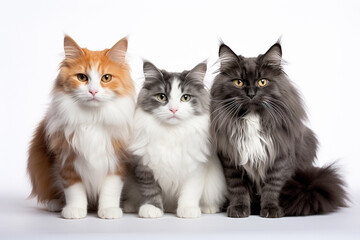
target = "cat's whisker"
x: 223, y: 109
x: 224, y: 119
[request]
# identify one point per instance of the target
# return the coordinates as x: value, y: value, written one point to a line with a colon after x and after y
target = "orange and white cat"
x: 78, y: 152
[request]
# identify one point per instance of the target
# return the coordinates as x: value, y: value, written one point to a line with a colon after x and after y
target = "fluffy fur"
x: 175, y: 169
x: 267, y: 151
x: 78, y: 152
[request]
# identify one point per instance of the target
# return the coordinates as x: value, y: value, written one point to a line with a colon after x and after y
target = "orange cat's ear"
x: 72, y: 50
x: 118, y: 52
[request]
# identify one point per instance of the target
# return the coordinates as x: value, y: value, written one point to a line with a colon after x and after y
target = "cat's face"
x: 257, y: 85
x: 172, y: 98
x: 93, y: 78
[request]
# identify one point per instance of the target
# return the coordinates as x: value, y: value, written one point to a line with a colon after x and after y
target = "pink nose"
x: 93, y: 92
x: 173, y: 110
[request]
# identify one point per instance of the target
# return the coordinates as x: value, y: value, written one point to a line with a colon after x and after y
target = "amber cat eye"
x: 238, y: 83
x: 106, y: 78
x: 82, y: 77
x: 161, y: 97
x: 262, y: 82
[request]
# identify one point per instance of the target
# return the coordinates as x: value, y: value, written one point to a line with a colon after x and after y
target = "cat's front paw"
x: 271, y: 211
x: 55, y: 205
x: 210, y: 209
x: 110, y: 213
x: 188, y: 212
x: 238, y: 211
x: 73, y: 212
x: 150, y: 211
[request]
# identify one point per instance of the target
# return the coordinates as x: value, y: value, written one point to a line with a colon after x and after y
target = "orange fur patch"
x: 40, y: 168
x: 121, y: 82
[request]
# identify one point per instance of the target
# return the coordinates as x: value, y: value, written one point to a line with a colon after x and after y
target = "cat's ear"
x: 273, y: 55
x: 118, y: 52
x: 151, y: 71
x: 71, y: 48
x: 198, y: 72
x: 228, y: 58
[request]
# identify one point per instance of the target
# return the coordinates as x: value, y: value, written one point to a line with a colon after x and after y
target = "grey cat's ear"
x: 151, y: 71
x: 118, y: 52
x: 274, y: 54
x: 198, y: 72
x: 228, y: 58
x: 71, y: 48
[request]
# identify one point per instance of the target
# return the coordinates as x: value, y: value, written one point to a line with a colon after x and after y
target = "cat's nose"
x: 93, y: 92
x: 173, y: 110
x: 251, y: 93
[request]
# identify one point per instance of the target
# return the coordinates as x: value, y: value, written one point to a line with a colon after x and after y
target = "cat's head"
x: 172, y: 98
x: 92, y: 78
x: 258, y: 85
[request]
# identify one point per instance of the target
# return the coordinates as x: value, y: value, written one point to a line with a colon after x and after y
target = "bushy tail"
x: 39, y: 168
x: 313, y: 191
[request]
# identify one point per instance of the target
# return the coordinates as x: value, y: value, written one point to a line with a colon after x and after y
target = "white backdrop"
x: 320, y: 42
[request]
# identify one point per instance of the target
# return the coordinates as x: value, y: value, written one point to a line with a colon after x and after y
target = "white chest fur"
x: 172, y: 152
x: 90, y: 133
x: 254, y: 147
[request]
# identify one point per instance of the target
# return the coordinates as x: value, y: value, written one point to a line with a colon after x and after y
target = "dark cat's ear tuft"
x: 71, y: 48
x: 118, y: 52
x: 273, y: 55
x: 228, y: 58
x: 198, y: 72
x: 151, y: 71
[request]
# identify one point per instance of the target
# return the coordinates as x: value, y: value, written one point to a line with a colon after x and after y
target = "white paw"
x: 210, y: 209
x: 73, y: 212
x: 150, y: 211
x: 188, y: 212
x: 110, y: 213
x: 55, y: 205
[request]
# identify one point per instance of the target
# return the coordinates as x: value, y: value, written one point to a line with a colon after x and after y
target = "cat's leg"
x: 74, y: 191
x: 190, y: 194
x: 276, y: 177
x: 76, y: 201
x: 109, y: 197
x: 150, y: 191
x: 238, y: 189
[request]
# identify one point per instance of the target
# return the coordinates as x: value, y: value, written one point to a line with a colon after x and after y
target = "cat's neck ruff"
x: 65, y: 113
x: 255, y: 148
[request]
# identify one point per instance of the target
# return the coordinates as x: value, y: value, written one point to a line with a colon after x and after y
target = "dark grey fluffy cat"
x: 267, y: 152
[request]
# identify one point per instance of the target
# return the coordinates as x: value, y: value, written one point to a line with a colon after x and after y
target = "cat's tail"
x: 313, y: 191
x: 40, y: 168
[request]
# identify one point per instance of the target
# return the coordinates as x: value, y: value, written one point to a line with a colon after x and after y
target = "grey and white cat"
x: 267, y: 152
x: 175, y: 169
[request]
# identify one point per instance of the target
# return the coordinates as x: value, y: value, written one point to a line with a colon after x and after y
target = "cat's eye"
x: 262, y: 82
x: 185, y: 98
x: 161, y: 97
x: 106, y: 78
x: 238, y: 83
x: 82, y: 77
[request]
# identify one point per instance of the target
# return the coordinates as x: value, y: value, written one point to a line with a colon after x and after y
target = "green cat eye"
x: 82, y: 77
x: 185, y: 98
x: 161, y: 97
